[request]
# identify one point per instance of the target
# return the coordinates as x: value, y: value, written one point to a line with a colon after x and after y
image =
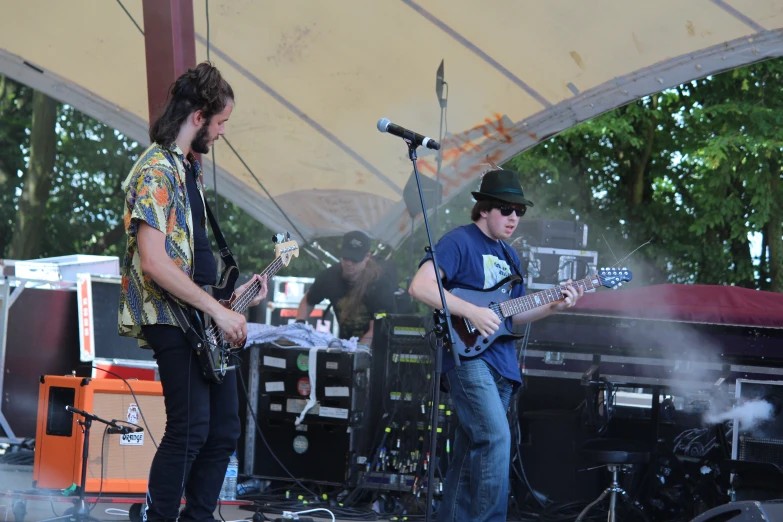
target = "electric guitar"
x: 468, y: 342
x: 212, y: 349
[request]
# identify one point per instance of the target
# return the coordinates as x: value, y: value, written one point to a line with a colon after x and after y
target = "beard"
x: 200, y: 143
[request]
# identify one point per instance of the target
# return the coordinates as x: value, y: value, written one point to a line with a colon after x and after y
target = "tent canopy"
x: 312, y: 78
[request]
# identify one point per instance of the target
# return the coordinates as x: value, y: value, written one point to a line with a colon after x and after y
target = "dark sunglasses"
x: 506, y: 211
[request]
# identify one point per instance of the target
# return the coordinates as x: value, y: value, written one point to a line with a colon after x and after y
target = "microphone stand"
x: 443, y: 332
x: 81, y: 511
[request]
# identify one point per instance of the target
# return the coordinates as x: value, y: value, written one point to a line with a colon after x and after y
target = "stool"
x: 618, y: 456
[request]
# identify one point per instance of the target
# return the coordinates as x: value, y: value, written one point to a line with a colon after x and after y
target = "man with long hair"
x: 476, y: 257
x: 356, y: 287
x: 169, y: 254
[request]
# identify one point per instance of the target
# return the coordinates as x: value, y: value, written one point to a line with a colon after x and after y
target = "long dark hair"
x: 355, y: 296
x: 201, y: 88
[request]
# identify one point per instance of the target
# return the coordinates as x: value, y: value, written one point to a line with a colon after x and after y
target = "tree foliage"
x: 695, y: 168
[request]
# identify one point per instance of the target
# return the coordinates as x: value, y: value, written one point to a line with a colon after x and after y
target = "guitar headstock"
x: 285, y: 247
x: 614, y: 277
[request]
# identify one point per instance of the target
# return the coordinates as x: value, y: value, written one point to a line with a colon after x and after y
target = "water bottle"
x: 229, y: 489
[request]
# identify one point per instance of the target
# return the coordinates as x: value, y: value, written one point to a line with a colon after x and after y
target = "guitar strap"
x: 182, y: 320
x: 225, y: 252
x: 510, y: 259
x: 225, y: 255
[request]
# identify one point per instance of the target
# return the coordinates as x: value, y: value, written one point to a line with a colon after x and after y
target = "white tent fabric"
x: 313, y: 77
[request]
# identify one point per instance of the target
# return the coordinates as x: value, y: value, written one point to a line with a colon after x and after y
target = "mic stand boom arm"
x: 443, y: 332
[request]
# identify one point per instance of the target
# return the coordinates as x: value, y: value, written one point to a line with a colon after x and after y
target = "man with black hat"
x: 356, y: 288
x: 476, y: 257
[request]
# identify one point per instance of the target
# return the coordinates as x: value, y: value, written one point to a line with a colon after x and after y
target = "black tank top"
x: 204, y: 264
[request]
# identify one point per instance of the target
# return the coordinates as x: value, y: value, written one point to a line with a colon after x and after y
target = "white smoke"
x: 749, y: 414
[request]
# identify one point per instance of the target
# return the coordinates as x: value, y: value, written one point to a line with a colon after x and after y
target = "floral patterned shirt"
x: 155, y: 192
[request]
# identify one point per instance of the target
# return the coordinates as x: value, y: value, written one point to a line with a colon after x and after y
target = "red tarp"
x: 690, y: 303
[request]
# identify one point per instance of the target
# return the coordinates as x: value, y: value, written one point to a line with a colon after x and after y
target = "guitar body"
x: 213, y: 354
x: 467, y: 341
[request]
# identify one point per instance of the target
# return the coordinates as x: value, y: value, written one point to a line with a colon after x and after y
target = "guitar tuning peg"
x: 288, y: 236
x: 277, y: 238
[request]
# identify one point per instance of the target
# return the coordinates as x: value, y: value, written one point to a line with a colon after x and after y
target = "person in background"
x: 355, y: 287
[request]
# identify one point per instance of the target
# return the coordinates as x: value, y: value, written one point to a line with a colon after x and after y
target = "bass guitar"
x: 213, y: 351
x: 468, y: 342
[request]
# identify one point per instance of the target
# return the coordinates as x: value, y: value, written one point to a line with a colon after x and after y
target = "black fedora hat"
x: 502, y: 185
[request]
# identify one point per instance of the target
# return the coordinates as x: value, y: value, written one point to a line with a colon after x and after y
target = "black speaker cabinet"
x: 316, y: 452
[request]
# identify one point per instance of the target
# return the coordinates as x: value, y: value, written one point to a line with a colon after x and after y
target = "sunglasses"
x: 506, y: 211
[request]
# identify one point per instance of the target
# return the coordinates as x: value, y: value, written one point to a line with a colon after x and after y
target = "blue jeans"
x: 476, y: 485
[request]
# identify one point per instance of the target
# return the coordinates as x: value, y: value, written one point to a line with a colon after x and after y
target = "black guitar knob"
x: 467, y: 350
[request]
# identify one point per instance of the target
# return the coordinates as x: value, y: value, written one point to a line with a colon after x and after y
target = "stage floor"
x: 15, y: 478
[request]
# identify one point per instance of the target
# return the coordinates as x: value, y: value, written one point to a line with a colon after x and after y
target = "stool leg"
x: 614, y: 487
x: 591, y: 504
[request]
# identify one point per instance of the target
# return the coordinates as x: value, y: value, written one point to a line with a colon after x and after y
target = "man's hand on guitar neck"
x: 571, y: 294
x: 261, y: 293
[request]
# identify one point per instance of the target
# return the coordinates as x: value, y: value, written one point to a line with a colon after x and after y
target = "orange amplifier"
x: 125, y: 459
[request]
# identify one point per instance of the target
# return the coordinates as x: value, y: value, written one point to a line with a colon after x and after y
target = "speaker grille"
x: 122, y: 461
x: 59, y: 422
x: 761, y: 450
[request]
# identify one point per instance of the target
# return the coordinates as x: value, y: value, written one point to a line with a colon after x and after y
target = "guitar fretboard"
x: 244, y: 299
x: 550, y: 295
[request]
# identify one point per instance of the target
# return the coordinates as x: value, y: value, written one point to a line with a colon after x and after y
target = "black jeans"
x: 202, y: 429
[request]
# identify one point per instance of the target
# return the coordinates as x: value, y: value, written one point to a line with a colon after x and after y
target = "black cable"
x: 131, y: 17
x: 258, y: 181
x: 130, y: 388
x: 187, y: 433
x: 263, y: 438
x: 103, y: 465
x: 214, y: 164
x: 521, y: 358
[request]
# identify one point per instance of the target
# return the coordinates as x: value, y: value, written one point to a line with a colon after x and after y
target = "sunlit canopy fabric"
x: 312, y: 78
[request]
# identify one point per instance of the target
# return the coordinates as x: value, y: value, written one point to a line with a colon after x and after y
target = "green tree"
x: 695, y: 168
x: 30, y: 235
x: 15, y: 115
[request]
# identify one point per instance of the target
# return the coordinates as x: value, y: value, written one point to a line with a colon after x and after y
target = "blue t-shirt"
x: 469, y: 259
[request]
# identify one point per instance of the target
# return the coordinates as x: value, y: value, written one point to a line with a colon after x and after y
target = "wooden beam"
x: 170, y: 47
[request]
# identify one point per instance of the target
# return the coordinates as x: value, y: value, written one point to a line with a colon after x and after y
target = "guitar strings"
x: 241, y: 303
x: 527, y: 300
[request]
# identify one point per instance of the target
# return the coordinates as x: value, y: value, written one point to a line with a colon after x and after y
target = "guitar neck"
x: 244, y: 299
x: 550, y: 295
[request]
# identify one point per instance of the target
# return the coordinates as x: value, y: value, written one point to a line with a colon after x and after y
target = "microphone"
x: 77, y: 411
x: 124, y: 430
x: 384, y: 125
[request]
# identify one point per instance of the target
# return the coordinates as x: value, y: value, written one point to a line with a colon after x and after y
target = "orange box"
x: 59, y: 439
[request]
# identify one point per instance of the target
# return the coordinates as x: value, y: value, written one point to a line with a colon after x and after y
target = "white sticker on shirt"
x: 495, y: 270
